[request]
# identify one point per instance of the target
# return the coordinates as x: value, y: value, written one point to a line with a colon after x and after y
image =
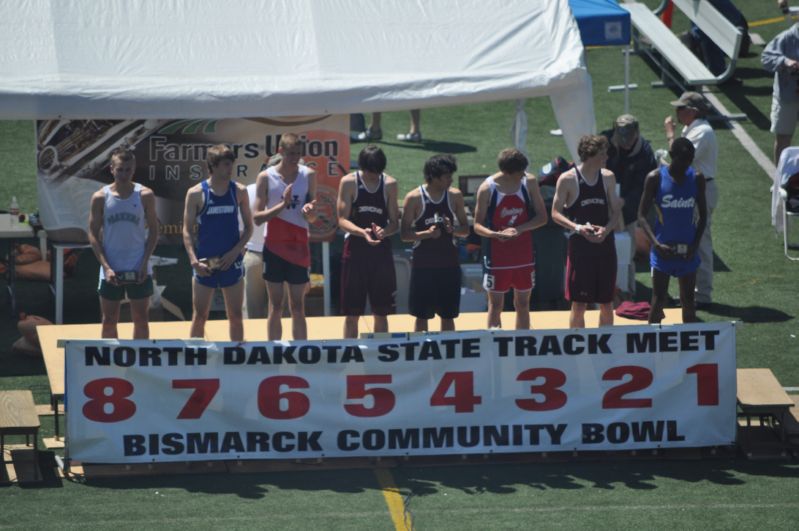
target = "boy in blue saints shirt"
x: 677, y: 192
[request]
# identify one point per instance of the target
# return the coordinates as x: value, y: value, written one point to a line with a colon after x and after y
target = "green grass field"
x: 754, y: 283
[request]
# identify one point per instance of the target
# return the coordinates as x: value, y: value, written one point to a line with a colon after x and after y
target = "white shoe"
x: 410, y: 137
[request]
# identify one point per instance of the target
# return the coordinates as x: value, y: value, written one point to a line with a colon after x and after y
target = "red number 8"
x: 122, y: 409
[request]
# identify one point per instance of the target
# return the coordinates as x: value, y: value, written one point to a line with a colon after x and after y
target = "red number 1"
x: 707, y: 383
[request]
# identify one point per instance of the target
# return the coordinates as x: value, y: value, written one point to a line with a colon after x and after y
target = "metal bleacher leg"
x: 59, y: 284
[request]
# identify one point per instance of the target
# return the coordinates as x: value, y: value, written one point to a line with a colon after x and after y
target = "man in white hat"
x: 691, y: 110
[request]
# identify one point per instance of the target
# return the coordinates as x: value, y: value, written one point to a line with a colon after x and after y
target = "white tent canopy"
x: 83, y: 59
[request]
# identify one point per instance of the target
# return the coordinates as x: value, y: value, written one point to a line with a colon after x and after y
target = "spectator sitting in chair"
x: 630, y: 158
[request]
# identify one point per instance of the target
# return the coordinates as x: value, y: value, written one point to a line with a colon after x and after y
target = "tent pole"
x: 627, y: 79
x: 326, y: 275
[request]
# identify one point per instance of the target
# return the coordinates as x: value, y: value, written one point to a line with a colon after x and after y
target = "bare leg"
x: 416, y: 117
x: 381, y: 323
x: 447, y: 325
x: 299, y: 327
x: 495, y: 301
x: 351, y: 326
x: 687, y: 285
x: 201, y: 296
x: 420, y: 325
x: 606, y: 314
x: 234, y: 301
x: 375, y: 125
x: 274, y: 326
x: 660, y: 292
x: 110, y: 310
x: 781, y: 142
x: 140, y: 312
x: 577, y: 315
x: 521, y: 302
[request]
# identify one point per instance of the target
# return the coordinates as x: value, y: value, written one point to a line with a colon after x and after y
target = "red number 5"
x: 382, y: 399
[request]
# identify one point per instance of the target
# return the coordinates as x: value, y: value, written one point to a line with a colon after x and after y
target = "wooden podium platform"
x: 255, y: 330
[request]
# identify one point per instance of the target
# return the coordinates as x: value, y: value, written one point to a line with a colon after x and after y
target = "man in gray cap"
x: 691, y: 110
x: 781, y: 57
x: 630, y: 158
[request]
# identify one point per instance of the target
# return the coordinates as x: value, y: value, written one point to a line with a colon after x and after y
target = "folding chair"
x: 789, y: 196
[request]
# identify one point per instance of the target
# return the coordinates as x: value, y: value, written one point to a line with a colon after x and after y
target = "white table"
x: 13, y: 232
x: 58, y: 276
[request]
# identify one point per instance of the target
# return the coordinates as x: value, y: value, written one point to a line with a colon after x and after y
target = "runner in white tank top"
x: 286, y: 203
x: 123, y: 232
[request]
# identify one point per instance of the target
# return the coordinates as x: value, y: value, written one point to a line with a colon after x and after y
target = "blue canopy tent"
x: 605, y: 23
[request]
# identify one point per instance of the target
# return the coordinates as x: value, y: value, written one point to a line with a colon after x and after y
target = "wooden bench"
x: 18, y: 417
x: 761, y: 395
x: 669, y: 47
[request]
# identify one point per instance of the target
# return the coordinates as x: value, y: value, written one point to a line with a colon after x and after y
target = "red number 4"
x: 463, y: 397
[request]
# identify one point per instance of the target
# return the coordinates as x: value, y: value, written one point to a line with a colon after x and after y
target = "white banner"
x: 630, y: 387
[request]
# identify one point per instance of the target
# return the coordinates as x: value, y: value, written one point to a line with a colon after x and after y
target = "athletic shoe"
x: 410, y: 137
x: 367, y: 136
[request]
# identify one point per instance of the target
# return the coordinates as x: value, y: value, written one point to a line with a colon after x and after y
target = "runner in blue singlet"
x: 677, y: 192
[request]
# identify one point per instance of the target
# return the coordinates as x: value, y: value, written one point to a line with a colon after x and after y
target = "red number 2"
x: 614, y: 397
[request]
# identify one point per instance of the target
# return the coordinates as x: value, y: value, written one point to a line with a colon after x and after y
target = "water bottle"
x: 13, y: 210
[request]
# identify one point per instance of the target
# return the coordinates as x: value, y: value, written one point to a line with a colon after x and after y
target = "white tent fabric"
x: 83, y: 59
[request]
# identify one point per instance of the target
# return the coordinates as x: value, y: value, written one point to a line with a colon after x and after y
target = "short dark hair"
x: 122, y: 154
x: 371, y: 158
x: 217, y: 154
x: 682, y: 148
x: 591, y: 145
x: 439, y: 165
x: 511, y: 160
x: 289, y: 140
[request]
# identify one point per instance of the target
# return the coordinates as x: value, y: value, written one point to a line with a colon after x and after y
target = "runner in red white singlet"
x: 509, y: 207
x: 286, y: 203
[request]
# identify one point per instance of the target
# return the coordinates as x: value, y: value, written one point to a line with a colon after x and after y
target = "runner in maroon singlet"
x: 368, y: 213
x: 428, y: 218
x: 586, y: 204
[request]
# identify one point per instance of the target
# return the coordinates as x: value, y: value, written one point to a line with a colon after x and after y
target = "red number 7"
x: 204, y: 392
